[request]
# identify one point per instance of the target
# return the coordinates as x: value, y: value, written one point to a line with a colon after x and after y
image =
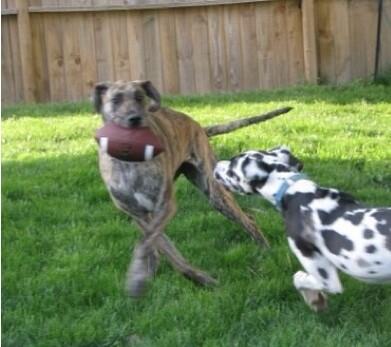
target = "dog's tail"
x: 241, y: 123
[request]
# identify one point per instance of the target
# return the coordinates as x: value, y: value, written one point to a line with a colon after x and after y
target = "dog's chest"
x: 134, y: 186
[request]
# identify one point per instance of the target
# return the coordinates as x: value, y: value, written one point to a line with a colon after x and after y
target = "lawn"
x: 65, y: 247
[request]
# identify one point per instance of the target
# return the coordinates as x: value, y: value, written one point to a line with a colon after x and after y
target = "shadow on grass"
x: 341, y: 95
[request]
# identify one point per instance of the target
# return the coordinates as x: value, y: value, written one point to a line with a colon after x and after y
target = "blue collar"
x: 279, y: 195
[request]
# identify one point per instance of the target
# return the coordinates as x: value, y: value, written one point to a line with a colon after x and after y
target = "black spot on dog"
x: 336, y: 242
x: 383, y: 216
x: 355, y: 218
x: 334, y: 195
x: 258, y: 183
x: 384, y: 229
x: 234, y: 161
x: 323, y: 273
x: 368, y: 234
x: 345, y: 203
x: 321, y: 193
x: 245, y: 163
x: 328, y: 218
x: 362, y: 263
x: 346, y: 257
x: 378, y: 262
x: 370, y: 249
x: 282, y: 168
x: 264, y: 167
x: 371, y: 272
x: 343, y: 266
x: 306, y: 248
x: 297, y: 199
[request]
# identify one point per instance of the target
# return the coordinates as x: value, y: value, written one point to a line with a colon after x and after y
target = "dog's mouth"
x: 129, y: 122
x: 135, y: 121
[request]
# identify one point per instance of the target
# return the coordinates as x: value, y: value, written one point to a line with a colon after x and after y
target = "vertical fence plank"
x: 201, y: 58
x: 7, y: 78
x: 281, y: 57
x: 72, y: 60
x: 216, y: 35
x: 233, y: 47
x: 119, y: 40
x: 363, y: 37
x: 264, y: 24
x: 11, y: 4
x: 309, y: 41
x: 341, y: 35
x: 41, y: 72
x: 326, y: 58
x: 248, y: 38
x: 17, y: 70
x: 295, y: 43
x: 55, y: 56
x: 87, y: 54
x: 183, y: 22
x: 152, y: 56
x: 26, y: 50
x: 385, y: 43
x: 136, y: 45
x: 104, y: 66
x: 169, y: 52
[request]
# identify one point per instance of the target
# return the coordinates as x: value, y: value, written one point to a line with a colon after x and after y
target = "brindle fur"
x: 144, y: 190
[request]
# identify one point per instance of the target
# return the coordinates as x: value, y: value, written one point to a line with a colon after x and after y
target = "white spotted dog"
x: 327, y: 229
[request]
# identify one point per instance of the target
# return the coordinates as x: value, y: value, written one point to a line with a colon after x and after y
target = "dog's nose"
x: 134, y: 121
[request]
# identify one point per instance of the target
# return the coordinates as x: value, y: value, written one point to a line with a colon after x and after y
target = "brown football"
x: 129, y: 144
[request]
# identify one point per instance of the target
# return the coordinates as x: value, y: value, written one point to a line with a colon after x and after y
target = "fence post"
x: 309, y: 41
x: 26, y: 49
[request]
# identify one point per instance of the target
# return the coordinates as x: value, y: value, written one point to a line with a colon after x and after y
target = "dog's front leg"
x: 320, y: 276
x: 145, y: 256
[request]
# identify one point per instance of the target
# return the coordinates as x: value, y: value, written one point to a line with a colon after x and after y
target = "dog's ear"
x: 100, y: 90
x: 153, y: 94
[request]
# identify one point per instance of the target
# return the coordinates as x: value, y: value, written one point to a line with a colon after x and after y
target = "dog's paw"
x: 303, y: 280
x: 136, y: 288
x: 315, y: 299
x: 300, y: 279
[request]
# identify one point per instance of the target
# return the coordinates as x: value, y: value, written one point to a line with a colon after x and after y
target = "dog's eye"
x: 138, y: 96
x: 233, y: 175
x: 117, y: 99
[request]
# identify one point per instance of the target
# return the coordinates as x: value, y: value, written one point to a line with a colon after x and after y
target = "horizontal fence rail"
x: 56, y: 50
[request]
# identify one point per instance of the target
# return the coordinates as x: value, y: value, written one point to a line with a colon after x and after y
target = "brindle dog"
x: 144, y: 190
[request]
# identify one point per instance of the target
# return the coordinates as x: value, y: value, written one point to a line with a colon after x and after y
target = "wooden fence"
x: 55, y: 50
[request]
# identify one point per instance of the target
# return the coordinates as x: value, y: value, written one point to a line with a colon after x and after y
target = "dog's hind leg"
x: 221, y: 199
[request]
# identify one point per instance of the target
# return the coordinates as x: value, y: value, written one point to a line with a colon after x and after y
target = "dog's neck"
x: 279, y: 183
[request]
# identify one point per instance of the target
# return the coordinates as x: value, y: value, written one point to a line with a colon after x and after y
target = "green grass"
x: 65, y: 248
